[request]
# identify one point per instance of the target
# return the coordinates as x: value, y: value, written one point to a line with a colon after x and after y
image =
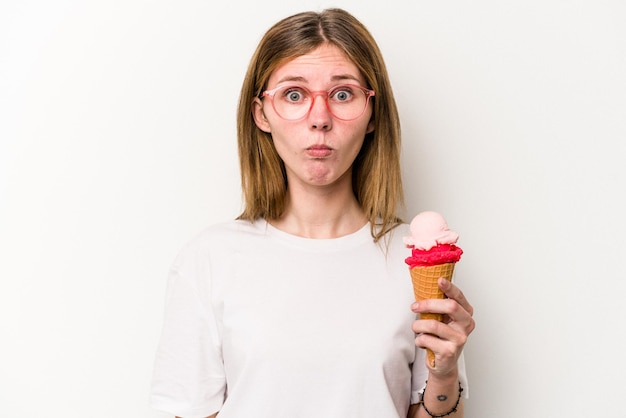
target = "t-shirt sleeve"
x: 189, y: 378
x: 420, y: 375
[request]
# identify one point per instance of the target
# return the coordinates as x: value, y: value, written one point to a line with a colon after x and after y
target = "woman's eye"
x: 342, y: 95
x: 294, y: 95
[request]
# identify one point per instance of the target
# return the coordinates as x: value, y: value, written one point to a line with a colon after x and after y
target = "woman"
x: 303, y: 306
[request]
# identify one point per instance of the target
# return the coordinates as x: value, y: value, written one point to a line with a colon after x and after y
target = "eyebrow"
x: 344, y: 77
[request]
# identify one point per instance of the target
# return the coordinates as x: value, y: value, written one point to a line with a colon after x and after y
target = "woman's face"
x: 319, y: 149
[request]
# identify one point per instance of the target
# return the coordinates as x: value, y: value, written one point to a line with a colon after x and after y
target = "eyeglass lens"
x: 345, y: 102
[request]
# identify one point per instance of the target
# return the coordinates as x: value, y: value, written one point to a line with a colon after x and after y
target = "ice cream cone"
x: 425, y: 287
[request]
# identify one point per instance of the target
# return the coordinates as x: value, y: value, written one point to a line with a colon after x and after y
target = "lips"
x: 319, y: 151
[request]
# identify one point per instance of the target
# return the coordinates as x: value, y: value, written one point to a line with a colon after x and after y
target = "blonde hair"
x: 376, y: 174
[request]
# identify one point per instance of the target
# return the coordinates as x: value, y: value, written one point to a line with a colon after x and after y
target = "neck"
x: 321, y: 213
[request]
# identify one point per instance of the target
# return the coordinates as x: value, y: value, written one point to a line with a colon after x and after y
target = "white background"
x: 117, y: 144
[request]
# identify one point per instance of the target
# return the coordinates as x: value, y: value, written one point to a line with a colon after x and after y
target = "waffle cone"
x: 425, y: 287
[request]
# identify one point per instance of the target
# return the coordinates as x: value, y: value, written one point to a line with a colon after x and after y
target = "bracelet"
x: 452, y: 411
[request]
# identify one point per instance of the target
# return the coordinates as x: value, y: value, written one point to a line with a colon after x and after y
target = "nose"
x: 319, y: 115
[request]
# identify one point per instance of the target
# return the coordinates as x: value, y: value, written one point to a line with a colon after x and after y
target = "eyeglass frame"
x: 326, y: 93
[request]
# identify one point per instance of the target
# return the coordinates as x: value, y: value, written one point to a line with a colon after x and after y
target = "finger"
x: 439, y: 346
x: 457, y: 335
x: 446, y: 353
x: 453, y: 292
x: 453, y: 313
x: 448, y: 307
x: 439, y: 337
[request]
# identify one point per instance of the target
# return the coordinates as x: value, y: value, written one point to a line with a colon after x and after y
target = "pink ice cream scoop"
x: 429, y: 229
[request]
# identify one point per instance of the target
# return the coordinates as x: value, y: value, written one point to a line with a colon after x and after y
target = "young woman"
x: 303, y: 306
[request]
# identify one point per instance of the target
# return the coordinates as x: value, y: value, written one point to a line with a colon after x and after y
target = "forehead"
x: 326, y: 64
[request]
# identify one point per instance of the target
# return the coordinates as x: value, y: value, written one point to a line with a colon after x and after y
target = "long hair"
x: 376, y: 174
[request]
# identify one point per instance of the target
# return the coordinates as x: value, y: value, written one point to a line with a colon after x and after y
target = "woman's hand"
x: 446, y: 339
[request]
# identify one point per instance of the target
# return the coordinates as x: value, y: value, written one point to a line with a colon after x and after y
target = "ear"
x: 259, y: 116
x: 370, y: 126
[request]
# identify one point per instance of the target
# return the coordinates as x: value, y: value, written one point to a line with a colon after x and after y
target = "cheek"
x: 364, y: 130
x: 357, y: 148
x: 284, y: 147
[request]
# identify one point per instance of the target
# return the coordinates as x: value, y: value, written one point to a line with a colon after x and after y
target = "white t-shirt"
x: 261, y: 323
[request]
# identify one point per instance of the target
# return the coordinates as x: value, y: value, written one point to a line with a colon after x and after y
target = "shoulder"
x: 219, y: 240
x: 229, y: 232
x: 400, y: 231
x: 394, y: 246
x: 393, y: 238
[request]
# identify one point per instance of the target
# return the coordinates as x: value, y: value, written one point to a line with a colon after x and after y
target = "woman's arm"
x: 416, y: 412
x: 446, y: 339
x: 441, y: 396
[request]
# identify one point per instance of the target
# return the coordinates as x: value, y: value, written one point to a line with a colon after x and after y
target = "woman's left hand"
x: 447, y: 338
